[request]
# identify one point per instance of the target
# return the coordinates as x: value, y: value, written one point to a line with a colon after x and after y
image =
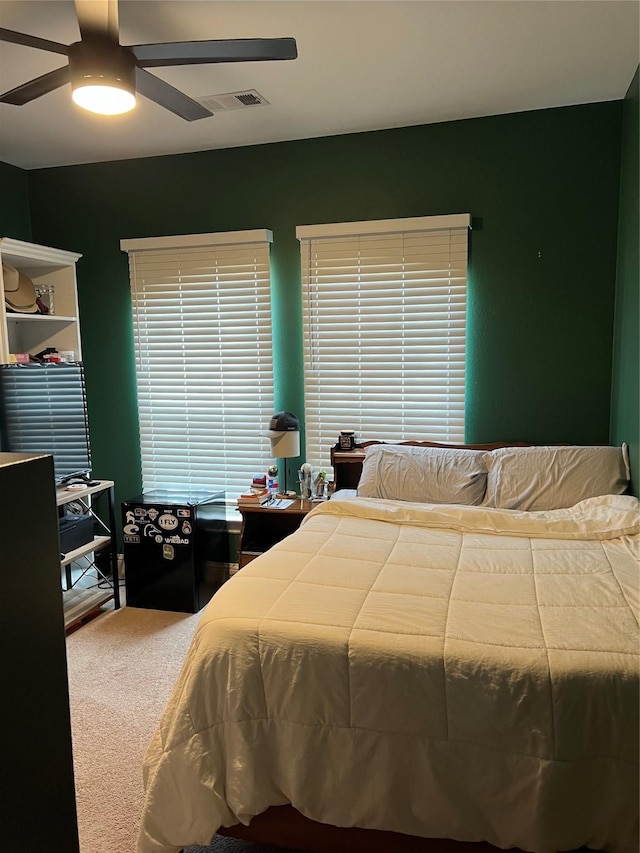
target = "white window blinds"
x: 202, y: 326
x: 384, y: 330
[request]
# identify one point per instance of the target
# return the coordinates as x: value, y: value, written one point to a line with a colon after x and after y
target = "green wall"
x: 15, y: 217
x: 625, y: 406
x: 543, y: 190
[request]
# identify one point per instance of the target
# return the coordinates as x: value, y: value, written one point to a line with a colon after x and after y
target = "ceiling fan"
x: 105, y: 75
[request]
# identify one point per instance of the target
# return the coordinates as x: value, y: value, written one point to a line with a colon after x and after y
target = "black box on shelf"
x: 75, y: 531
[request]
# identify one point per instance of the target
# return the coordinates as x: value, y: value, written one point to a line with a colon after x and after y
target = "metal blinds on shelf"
x: 384, y: 330
x: 202, y: 326
x: 43, y: 409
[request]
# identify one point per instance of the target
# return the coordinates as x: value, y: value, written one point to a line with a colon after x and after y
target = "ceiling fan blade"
x: 219, y: 50
x: 166, y: 96
x: 32, y: 41
x: 97, y: 19
x: 36, y: 88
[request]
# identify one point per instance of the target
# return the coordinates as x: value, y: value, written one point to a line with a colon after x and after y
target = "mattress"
x: 443, y: 671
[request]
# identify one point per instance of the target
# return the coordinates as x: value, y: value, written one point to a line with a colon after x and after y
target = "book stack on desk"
x: 254, y: 497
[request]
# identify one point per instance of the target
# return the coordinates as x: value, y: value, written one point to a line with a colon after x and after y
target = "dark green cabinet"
x: 37, y: 784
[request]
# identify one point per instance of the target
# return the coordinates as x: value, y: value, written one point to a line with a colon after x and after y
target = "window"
x: 384, y: 329
x: 202, y: 326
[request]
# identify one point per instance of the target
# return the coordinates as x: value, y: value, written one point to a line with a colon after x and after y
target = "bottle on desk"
x: 272, y: 480
x: 304, y: 479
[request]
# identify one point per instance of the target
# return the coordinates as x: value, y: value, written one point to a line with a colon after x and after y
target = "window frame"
x: 237, y: 449
x: 373, y: 234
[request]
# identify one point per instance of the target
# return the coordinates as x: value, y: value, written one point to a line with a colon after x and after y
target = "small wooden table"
x: 263, y: 526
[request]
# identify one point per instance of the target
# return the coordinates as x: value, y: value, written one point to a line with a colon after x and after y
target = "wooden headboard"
x: 347, y: 464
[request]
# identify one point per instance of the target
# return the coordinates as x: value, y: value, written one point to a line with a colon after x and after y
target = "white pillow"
x: 423, y: 474
x: 541, y: 478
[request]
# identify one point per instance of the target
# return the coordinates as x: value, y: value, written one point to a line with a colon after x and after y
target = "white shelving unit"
x: 31, y: 333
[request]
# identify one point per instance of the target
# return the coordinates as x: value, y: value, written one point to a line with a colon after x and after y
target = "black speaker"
x: 74, y: 531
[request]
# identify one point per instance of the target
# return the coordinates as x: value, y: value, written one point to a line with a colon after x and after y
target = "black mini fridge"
x: 176, y: 549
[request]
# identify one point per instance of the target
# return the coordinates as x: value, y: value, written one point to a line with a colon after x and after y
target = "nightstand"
x: 263, y: 527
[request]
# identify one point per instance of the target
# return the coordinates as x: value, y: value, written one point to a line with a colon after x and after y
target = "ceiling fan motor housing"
x: 102, y: 63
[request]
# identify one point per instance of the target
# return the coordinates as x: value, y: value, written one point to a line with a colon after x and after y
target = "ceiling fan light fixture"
x: 102, y: 78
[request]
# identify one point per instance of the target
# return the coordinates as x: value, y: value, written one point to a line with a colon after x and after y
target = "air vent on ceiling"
x: 233, y: 101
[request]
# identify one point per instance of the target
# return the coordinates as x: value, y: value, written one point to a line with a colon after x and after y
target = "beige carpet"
x: 122, y: 666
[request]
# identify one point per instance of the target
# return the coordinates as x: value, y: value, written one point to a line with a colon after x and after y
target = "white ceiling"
x: 362, y: 65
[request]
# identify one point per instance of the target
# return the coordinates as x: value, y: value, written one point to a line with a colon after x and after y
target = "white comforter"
x: 455, y: 672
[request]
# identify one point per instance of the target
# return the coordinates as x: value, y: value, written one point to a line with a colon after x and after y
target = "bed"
x: 399, y: 672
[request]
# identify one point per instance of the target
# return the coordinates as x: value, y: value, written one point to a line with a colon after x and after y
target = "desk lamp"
x: 284, y: 434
